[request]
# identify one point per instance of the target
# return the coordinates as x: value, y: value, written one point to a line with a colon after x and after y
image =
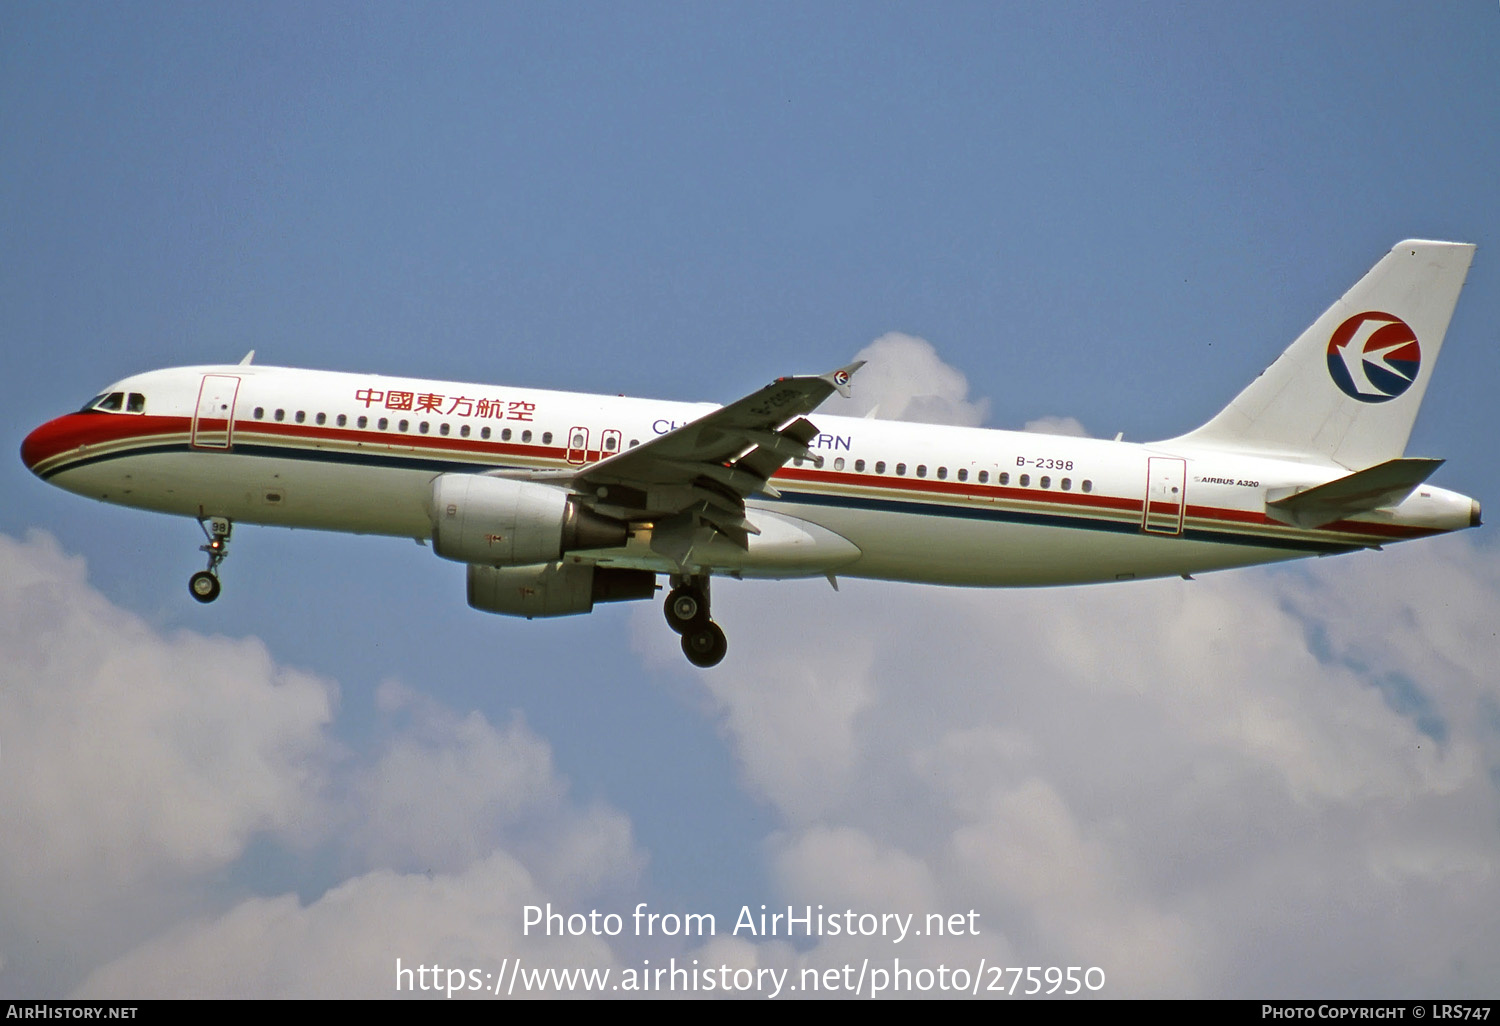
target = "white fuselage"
x: 930, y: 503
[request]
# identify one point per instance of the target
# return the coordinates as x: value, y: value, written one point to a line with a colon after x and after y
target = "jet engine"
x: 504, y: 522
x: 554, y: 589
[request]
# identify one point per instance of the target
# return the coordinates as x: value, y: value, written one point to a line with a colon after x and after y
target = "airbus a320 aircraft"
x: 557, y: 501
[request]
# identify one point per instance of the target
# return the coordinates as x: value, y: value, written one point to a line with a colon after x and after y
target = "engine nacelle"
x: 556, y: 589
x: 502, y: 522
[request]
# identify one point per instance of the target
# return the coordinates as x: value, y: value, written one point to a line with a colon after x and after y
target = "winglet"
x: 839, y: 379
x: 249, y: 357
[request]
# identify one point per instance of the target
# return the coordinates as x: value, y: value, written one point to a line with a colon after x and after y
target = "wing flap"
x: 693, y: 481
x: 734, y: 449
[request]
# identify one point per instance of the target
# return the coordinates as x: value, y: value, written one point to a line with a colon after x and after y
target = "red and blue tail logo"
x: 1374, y: 357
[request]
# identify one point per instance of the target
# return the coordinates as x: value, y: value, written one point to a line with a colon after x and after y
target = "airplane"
x: 558, y: 501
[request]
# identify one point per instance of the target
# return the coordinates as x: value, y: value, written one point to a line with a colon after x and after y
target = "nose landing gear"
x: 204, y: 585
x: 686, y: 609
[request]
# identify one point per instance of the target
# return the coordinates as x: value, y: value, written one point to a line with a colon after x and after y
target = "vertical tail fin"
x: 1347, y: 391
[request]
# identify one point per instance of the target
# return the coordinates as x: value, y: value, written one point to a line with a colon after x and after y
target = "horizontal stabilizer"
x: 1385, y: 484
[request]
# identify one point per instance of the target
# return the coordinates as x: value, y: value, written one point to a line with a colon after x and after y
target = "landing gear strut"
x: 204, y: 585
x: 686, y: 609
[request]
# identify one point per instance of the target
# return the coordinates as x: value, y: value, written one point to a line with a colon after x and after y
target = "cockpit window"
x: 116, y: 402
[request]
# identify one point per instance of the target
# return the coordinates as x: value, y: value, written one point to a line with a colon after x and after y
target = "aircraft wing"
x: 707, y: 468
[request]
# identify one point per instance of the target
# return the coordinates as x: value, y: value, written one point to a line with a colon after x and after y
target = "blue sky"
x: 1118, y: 213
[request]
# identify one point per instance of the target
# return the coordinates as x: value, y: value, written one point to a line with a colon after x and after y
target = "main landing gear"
x: 703, y: 642
x: 204, y: 585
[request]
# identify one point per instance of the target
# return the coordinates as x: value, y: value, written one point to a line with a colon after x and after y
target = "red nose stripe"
x: 74, y: 430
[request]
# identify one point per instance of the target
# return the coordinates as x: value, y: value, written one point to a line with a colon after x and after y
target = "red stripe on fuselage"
x: 1085, y: 500
x: 80, y: 430
x: 963, y: 489
x: 398, y: 440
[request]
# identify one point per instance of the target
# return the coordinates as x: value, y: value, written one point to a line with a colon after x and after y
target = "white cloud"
x: 132, y: 760
x: 1057, y: 426
x: 347, y: 942
x: 1207, y: 787
x: 904, y: 379
x: 486, y: 779
x: 805, y: 705
x: 1279, y: 781
x: 1276, y: 781
x: 446, y: 790
x: 140, y: 770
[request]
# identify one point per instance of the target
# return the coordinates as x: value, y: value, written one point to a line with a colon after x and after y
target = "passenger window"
x: 383, y: 423
x: 921, y: 470
x: 301, y: 416
x: 577, y: 442
x: 505, y: 435
x: 402, y: 425
x: 1004, y: 477
x: 526, y: 435
x: 859, y: 466
x: 1088, y: 486
x: 484, y: 433
x: 1046, y: 482
x: 443, y: 428
x: 609, y: 443
x: 343, y: 419
x: 363, y: 421
x: 260, y: 413
x: 135, y: 403
x: 280, y: 415
x: 963, y: 474
x: 838, y: 464
x: 546, y: 437
x: 1067, y: 484
x: 942, y: 473
x: 423, y: 426
x: 322, y: 419
x: 634, y: 442
x: 901, y: 468
x: 1025, y: 480
x: 880, y: 466
x: 984, y: 477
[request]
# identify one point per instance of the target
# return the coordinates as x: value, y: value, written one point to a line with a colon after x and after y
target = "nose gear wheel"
x: 204, y: 585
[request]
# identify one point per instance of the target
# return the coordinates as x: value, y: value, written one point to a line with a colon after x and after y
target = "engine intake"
x: 556, y: 589
x: 501, y: 522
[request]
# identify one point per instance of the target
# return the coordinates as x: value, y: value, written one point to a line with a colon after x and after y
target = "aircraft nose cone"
x: 33, y: 448
x: 47, y: 441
